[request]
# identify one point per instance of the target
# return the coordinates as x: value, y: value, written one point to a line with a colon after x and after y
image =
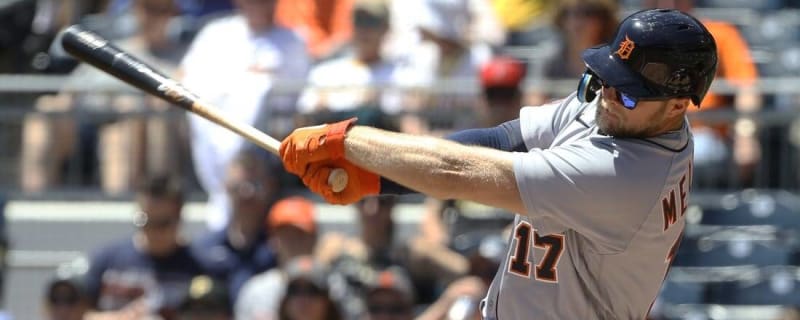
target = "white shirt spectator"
x: 425, y: 66
x: 235, y: 69
x: 476, y: 17
x: 261, y: 296
x: 447, y: 19
x: 345, y: 84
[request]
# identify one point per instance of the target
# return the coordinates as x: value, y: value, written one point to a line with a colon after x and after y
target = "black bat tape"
x: 99, y: 52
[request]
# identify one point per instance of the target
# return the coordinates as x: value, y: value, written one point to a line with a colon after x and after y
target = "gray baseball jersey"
x: 604, y: 216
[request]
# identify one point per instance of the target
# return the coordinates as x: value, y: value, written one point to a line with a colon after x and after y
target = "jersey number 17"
x: 547, y: 268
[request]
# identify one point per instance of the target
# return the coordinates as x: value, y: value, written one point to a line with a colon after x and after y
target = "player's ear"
x: 677, y: 106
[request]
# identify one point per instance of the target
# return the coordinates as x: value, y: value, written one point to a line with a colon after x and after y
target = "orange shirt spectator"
x: 326, y: 25
x: 736, y: 67
x: 739, y: 140
x: 735, y: 64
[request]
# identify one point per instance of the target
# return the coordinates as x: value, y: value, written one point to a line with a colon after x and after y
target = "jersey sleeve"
x: 541, y: 124
x: 592, y: 186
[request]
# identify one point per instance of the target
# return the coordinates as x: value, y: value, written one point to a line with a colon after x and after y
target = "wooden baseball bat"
x: 91, y: 48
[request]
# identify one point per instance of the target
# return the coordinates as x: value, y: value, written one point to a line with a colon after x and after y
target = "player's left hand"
x: 360, y: 182
x: 313, y: 144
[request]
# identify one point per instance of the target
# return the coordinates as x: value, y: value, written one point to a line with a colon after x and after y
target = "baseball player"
x: 600, y: 179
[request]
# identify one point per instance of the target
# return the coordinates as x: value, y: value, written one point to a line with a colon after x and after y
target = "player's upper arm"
x: 592, y: 187
x: 541, y: 124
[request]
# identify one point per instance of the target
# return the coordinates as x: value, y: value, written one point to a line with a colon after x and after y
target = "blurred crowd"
x: 271, y: 261
x: 422, y: 66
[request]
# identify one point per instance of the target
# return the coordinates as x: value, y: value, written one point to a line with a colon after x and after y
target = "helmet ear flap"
x: 588, y: 86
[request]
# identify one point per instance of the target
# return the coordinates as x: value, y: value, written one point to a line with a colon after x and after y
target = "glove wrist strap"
x: 335, y: 136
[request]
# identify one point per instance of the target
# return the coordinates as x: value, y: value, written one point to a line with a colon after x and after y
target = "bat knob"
x: 337, y: 179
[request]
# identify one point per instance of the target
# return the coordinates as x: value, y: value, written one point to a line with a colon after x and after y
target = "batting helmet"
x: 656, y: 53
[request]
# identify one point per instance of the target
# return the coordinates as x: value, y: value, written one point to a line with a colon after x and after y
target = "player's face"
x: 647, y: 119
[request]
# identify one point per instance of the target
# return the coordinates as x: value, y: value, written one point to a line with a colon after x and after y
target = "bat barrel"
x: 91, y: 48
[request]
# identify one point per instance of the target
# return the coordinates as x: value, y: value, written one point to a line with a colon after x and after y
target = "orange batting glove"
x: 360, y: 182
x: 313, y: 144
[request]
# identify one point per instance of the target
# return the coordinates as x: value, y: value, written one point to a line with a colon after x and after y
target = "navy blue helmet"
x: 656, y: 53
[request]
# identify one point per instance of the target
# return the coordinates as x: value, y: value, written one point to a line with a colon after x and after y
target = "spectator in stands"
x: 306, y: 296
x: 293, y: 233
x: 149, y: 272
x: 521, y: 18
x: 481, y: 24
x: 359, y: 83
x: 66, y: 298
x: 196, y: 8
x: 390, y: 296
x: 445, y: 54
x: 239, y: 251
x: 206, y: 299
x: 458, y: 302
x: 324, y: 24
x: 790, y: 313
x: 715, y: 143
x: 12, y: 55
x: 182, y: 28
x: 378, y: 247
x: 237, y: 62
x: 501, y: 84
x: 580, y: 24
x: 127, y: 147
x: 29, y: 27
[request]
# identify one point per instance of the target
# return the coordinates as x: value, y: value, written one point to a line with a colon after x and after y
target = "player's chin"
x: 612, y: 127
x: 605, y: 120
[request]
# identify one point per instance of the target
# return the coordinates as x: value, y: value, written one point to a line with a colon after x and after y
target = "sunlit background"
x: 80, y: 151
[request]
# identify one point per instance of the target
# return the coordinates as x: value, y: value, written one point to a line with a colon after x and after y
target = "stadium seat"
x: 705, y: 252
x: 722, y: 312
x: 682, y: 292
x: 781, y: 287
x: 754, y: 208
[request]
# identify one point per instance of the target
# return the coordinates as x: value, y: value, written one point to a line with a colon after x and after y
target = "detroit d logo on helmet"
x: 625, y: 48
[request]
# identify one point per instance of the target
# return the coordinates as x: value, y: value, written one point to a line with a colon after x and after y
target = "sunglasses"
x: 245, y: 189
x: 590, y: 83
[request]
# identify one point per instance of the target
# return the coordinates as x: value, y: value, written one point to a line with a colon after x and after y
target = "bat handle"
x: 337, y: 180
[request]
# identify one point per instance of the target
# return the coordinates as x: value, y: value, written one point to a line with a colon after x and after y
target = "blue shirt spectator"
x: 149, y: 273
x: 239, y: 251
x: 194, y: 8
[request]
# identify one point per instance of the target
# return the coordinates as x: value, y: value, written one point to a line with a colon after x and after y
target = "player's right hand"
x: 360, y: 182
x: 314, y: 144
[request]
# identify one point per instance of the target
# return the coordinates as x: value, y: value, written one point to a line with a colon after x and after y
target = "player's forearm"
x: 506, y: 136
x: 437, y: 167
